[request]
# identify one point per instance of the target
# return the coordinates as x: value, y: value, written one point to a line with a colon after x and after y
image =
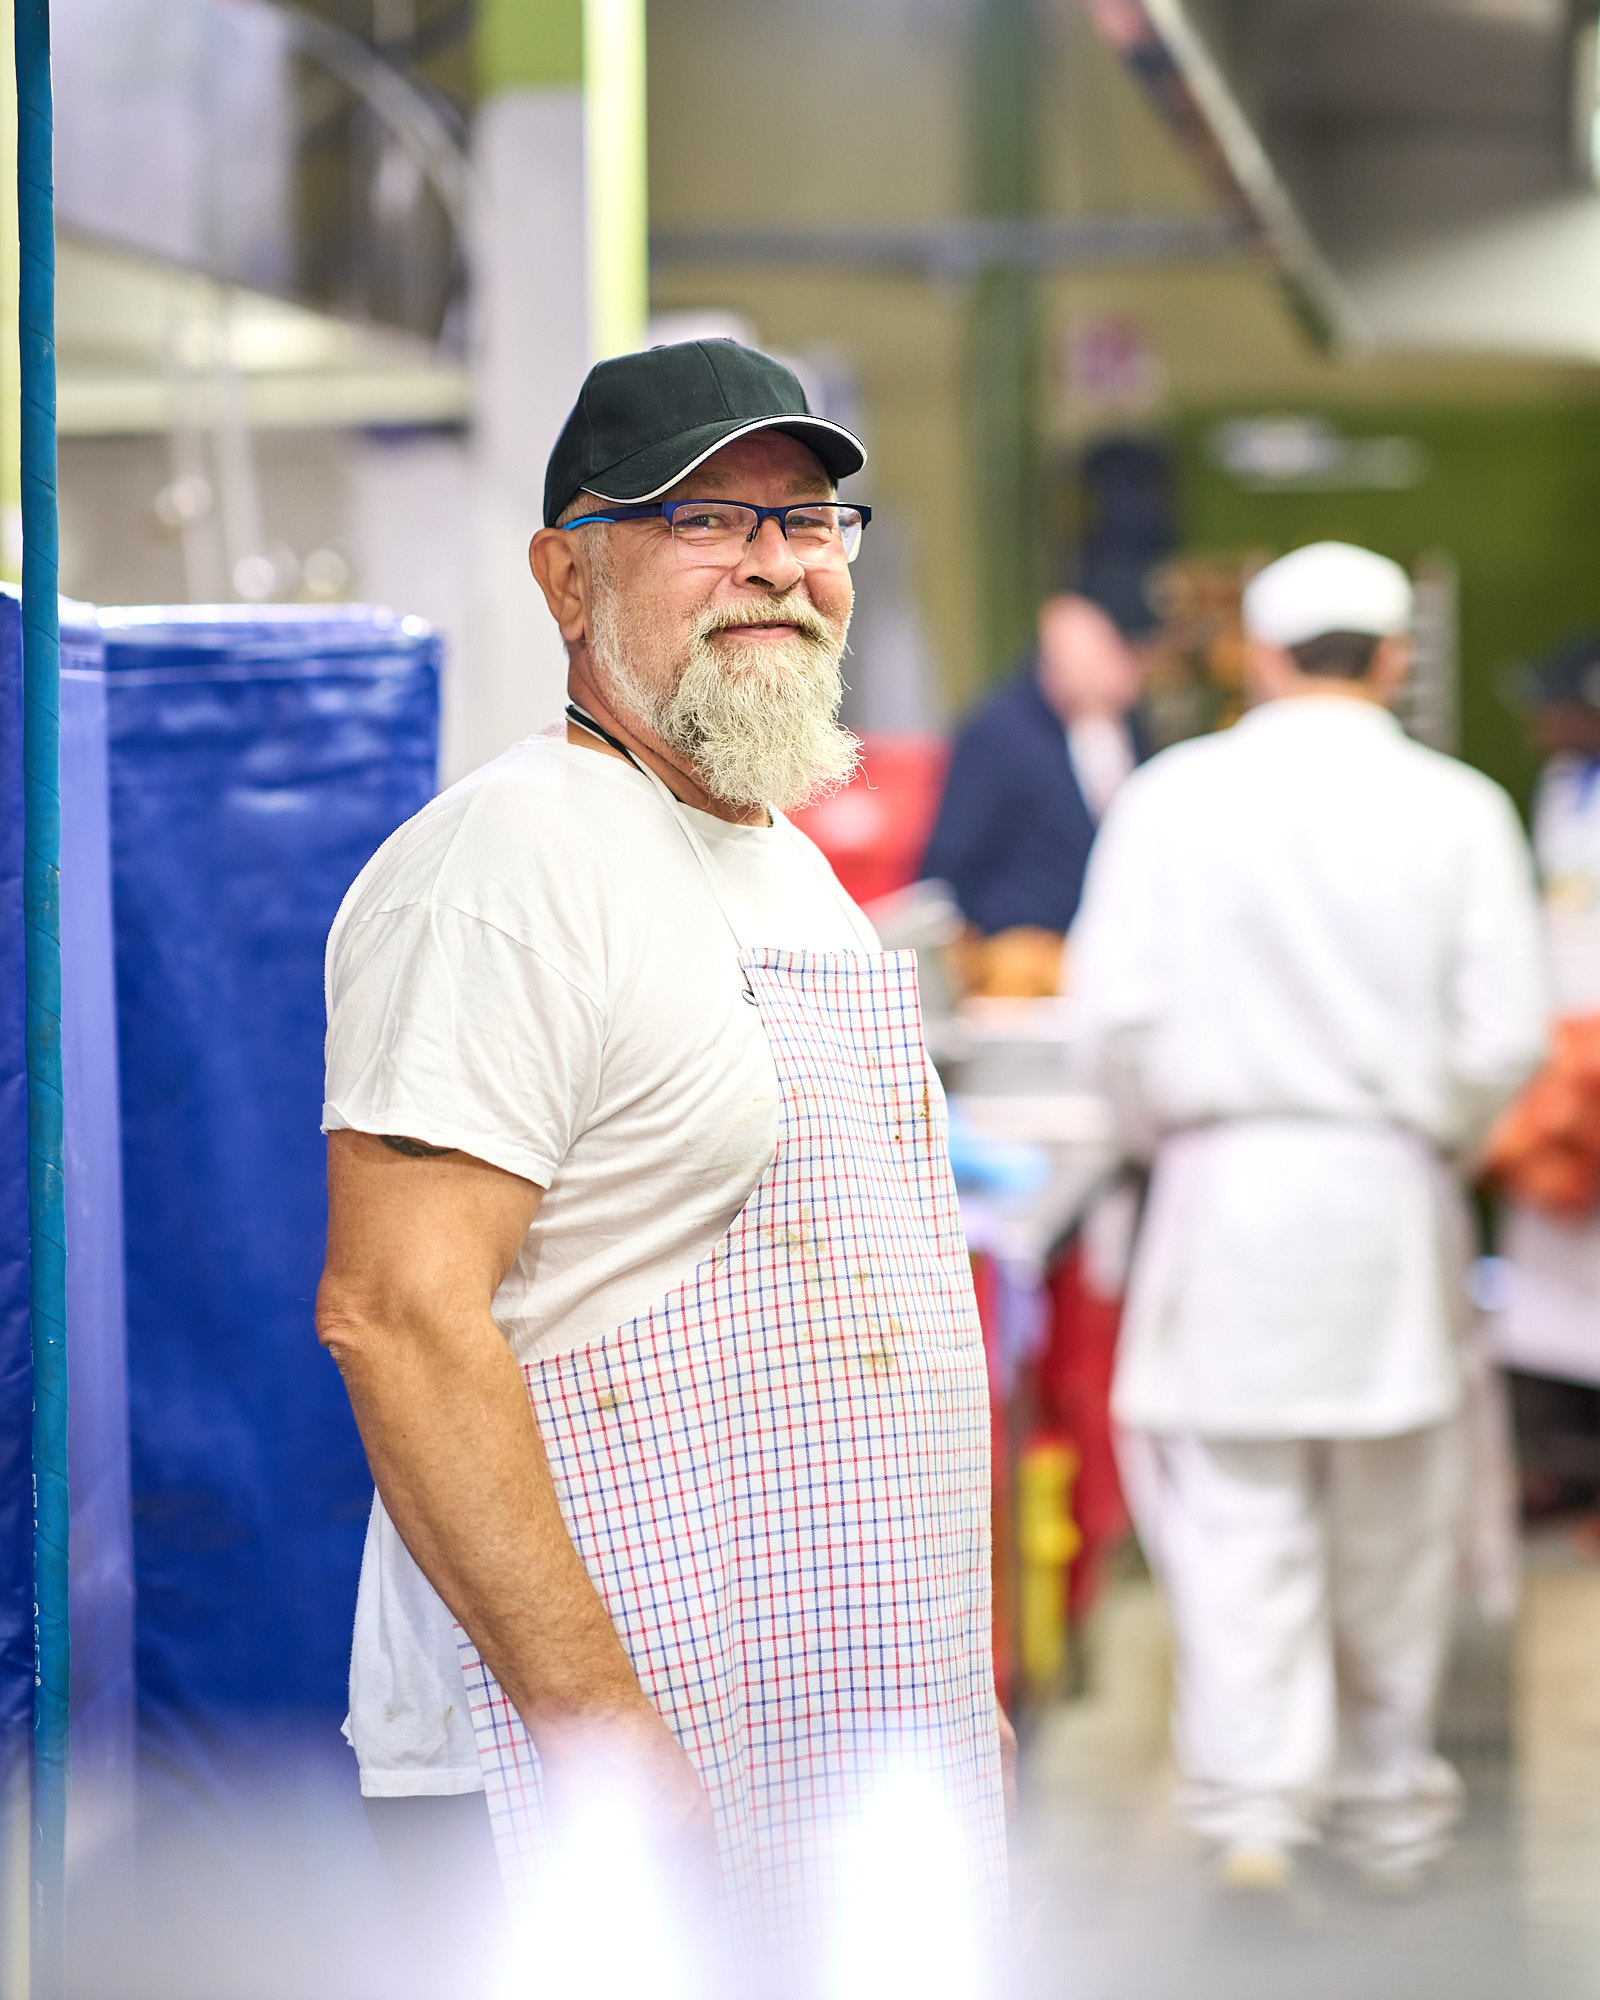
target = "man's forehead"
x: 780, y: 465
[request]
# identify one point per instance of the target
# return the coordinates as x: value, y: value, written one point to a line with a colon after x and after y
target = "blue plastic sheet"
x: 102, y: 1562
x: 16, y: 1517
x: 101, y: 1587
x: 257, y: 760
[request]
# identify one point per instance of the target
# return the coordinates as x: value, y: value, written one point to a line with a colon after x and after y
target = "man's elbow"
x: 349, y: 1323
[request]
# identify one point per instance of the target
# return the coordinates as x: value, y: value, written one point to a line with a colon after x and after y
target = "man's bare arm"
x: 419, y: 1239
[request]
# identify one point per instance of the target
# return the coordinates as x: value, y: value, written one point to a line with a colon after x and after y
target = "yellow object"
x: 1257, y: 1870
x: 616, y: 175
x: 1047, y: 1540
x: 1023, y: 963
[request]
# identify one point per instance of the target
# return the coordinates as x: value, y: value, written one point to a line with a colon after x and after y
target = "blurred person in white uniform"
x: 1308, y: 961
x: 1549, y: 1330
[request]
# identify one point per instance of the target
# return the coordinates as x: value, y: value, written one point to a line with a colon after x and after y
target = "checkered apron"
x: 778, y: 1478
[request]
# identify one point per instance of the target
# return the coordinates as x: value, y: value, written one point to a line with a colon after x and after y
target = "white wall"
x: 530, y: 355
x: 408, y: 530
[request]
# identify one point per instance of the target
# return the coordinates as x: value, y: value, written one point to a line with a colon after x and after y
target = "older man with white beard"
x: 644, y: 1272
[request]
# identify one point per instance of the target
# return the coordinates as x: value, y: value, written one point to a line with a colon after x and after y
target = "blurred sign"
x: 1307, y: 455
x: 1108, y: 364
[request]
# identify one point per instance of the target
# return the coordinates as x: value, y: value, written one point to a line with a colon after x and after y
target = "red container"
x: 875, y: 829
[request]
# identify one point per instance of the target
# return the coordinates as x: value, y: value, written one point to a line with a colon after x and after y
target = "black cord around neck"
x: 585, y: 720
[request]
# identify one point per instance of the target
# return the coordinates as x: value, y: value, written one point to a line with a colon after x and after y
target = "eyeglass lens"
x: 717, y: 531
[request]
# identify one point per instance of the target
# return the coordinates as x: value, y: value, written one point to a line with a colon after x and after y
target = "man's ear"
x: 1269, y: 671
x: 1390, y: 665
x: 562, y: 574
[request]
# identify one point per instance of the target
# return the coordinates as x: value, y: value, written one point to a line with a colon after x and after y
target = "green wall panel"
x: 1512, y: 495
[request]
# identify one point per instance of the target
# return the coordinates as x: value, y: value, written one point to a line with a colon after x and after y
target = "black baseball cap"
x: 1567, y: 678
x: 644, y: 421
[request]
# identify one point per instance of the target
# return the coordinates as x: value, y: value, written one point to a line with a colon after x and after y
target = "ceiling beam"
x: 966, y: 247
x: 1160, y: 46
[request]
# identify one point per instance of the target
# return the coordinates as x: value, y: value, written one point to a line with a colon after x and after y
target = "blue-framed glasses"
x: 710, y: 534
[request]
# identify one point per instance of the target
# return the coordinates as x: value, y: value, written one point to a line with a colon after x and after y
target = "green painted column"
x: 595, y: 48
x: 529, y: 44
x: 10, y: 360
x: 1003, y: 356
x: 560, y: 279
x: 617, y: 174
x: 15, y: 1800
x: 530, y: 347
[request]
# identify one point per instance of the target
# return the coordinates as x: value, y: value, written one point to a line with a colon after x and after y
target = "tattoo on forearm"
x: 416, y: 1149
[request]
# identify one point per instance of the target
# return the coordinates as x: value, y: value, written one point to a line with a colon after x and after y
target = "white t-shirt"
x: 536, y: 970
x: 1102, y: 757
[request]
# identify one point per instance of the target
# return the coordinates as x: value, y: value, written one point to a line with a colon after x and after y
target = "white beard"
x: 758, y: 722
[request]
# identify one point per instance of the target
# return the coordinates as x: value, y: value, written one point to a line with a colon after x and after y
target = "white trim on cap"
x: 757, y: 424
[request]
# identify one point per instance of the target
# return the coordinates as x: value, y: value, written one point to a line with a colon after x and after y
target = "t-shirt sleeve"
x: 446, y: 1029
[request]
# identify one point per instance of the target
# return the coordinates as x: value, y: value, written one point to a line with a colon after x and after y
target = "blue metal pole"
x: 41, y: 750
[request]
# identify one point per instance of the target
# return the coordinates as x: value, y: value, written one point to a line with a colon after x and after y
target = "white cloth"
x: 1294, y: 1279
x: 535, y: 969
x: 1551, y: 1321
x: 1307, y: 965
x: 1101, y: 752
x: 1566, y: 845
x: 1310, y: 1587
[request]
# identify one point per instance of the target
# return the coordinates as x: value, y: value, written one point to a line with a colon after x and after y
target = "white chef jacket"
x: 1308, y: 966
x: 1566, y: 845
x: 1551, y: 1322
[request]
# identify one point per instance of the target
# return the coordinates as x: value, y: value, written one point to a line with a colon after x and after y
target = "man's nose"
x: 768, y: 558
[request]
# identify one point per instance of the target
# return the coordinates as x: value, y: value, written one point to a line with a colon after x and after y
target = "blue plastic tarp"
x: 101, y: 1588
x: 101, y: 1551
x: 16, y: 1372
x: 257, y: 760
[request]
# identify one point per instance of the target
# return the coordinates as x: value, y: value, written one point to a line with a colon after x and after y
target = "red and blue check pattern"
x: 779, y: 1478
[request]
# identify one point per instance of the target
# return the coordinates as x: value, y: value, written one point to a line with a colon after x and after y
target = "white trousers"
x: 1310, y: 1586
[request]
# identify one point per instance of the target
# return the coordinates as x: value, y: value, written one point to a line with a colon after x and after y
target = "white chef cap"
x: 1327, y: 587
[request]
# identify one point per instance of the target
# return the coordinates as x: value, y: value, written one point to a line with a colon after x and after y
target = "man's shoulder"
x: 1211, y: 783
x: 1017, y: 709
x: 543, y: 782
x: 538, y: 823
x: 1457, y: 787
x: 1198, y: 760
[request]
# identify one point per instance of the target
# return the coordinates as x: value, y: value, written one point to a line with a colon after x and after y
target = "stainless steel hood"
x: 1422, y: 171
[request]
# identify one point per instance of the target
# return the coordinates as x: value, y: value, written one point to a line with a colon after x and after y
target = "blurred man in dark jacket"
x: 1033, y: 771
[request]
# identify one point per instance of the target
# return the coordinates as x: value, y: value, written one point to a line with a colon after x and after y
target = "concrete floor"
x: 1114, y: 1902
